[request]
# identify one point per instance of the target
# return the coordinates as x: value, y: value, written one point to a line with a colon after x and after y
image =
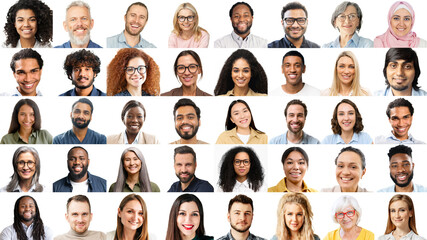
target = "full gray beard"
x: 77, y: 41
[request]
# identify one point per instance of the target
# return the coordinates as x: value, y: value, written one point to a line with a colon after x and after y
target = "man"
x: 27, y: 222
x: 78, y: 24
x: 295, y: 114
x: 81, y: 115
x: 240, y: 215
x: 293, y: 67
x: 294, y: 22
x: 185, y: 166
x: 82, y: 67
x: 79, y: 179
x: 241, y: 17
x: 187, y: 121
x: 79, y: 216
x: 399, y: 113
x: 135, y: 19
x: 401, y: 72
x: 402, y: 170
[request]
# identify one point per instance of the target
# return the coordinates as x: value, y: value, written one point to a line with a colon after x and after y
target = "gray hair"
x: 342, y: 7
x: 14, y: 182
x: 343, y: 202
x: 77, y: 4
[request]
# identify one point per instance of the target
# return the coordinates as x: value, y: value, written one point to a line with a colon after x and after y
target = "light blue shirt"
x: 355, y: 42
x: 119, y: 41
x: 417, y: 188
x: 388, y: 92
x: 391, y: 139
x: 282, y: 139
x: 358, y: 138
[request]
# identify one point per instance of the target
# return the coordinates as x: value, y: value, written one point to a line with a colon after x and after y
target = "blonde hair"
x: 197, y: 31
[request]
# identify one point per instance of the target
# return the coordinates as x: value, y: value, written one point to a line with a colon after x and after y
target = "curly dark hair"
x: 82, y: 58
x: 258, y: 82
x: 227, y: 175
x: 358, y: 126
x: 44, y: 22
x: 116, y: 78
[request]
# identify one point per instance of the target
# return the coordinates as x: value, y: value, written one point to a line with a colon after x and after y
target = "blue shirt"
x: 127, y: 93
x: 388, y: 92
x: 95, y: 184
x: 69, y: 137
x: 95, y: 92
x: 285, y: 43
x: 68, y: 45
x: 282, y: 139
x: 119, y: 41
x: 355, y: 42
x: 391, y: 139
x: 417, y: 188
x: 358, y: 138
x: 197, y: 185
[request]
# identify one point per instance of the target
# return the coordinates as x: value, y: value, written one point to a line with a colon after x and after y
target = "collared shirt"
x: 281, y: 187
x: 136, y: 187
x: 16, y: 93
x: 285, y: 43
x: 69, y: 137
x: 391, y: 139
x: 355, y: 42
x: 96, y: 184
x: 244, y: 187
x: 37, y: 44
x: 68, y: 45
x: 9, y: 233
x: 250, y: 237
x: 417, y: 188
x: 250, y: 93
x: 283, y: 139
x: 337, y: 188
x: 126, y: 138
x: 127, y: 93
x: 410, y: 236
x: 119, y: 41
x: 389, y: 92
x: 230, y: 137
x: 235, y: 41
x: 32, y: 189
x: 36, y: 137
x: 196, y: 185
x: 95, y: 92
x: 358, y: 138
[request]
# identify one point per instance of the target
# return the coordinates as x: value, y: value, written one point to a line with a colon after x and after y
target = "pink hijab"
x: 390, y: 39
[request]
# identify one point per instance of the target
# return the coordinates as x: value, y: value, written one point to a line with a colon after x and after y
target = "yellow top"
x: 363, y: 235
x: 281, y: 187
x: 230, y: 137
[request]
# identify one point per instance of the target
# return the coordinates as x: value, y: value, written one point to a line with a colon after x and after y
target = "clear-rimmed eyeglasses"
x: 351, y: 17
x: 239, y: 162
x: 30, y: 164
x: 192, y: 68
x: 290, y: 21
x: 131, y: 70
x: 350, y: 214
x: 182, y: 18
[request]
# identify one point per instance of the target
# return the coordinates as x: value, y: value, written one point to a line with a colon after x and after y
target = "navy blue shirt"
x: 285, y: 43
x: 69, y: 137
x: 95, y: 184
x: 68, y: 45
x: 95, y: 92
x: 197, y: 185
x: 127, y: 93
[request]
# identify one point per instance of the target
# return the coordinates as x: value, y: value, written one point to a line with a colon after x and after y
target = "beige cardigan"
x: 143, y: 138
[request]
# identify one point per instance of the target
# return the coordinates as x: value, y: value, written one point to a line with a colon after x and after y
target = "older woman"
x: 347, y: 213
x: 401, y: 18
x: 347, y: 19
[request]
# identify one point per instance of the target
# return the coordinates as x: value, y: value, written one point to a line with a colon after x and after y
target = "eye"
x: 408, y: 66
x: 392, y: 65
x: 407, y: 19
x: 396, y: 18
x: 236, y: 70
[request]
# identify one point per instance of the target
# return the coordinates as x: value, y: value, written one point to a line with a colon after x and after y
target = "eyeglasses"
x: 245, y: 162
x: 351, y: 17
x: 182, y: 18
x: 131, y: 70
x: 192, y: 68
x: 290, y: 21
x: 30, y: 164
x: 350, y: 214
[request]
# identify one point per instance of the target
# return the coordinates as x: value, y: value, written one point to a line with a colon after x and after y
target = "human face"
x: 346, y: 70
x: 83, y: 77
x: 27, y: 74
x: 187, y: 78
x: 78, y: 216
x: 26, y: 117
x: 347, y: 223
x: 401, y: 121
x: 293, y: 69
x: 294, y: 217
x: 132, y: 215
x: 132, y: 163
x: 349, y: 171
x: 241, y: 73
x: 26, y: 172
x: 135, y: 20
x: 26, y: 210
x: 26, y: 23
x: 400, y: 74
x: 295, y: 118
x: 186, y: 122
x: 134, y: 119
x: 240, y: 217
x: 241, y: 116
x: 241, y: 19
x: 241, y: 169
x: 295, y: 31
x: 400, y: 214
x: 188, y: 220
x: 347, y: 27
x: 186, y: 25
x: 78, y: 24
x: 81, y: 115
x: 185, y: 167
x: 136, y: 79
x: 401, y: 169
x: 401, y: 22
x: 295, y: 167
x: 78, y: 163
x: 346, y: 116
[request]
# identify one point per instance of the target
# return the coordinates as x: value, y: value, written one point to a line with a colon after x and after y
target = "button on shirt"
x: 235, y: 41
x: 285, y: 43
x: 358, y: 138
x: 306, y: 139
x: 355, y: 42
x: 9, y: 232
x: 388, y: 92
x: 391, y: 139
x: 119, y: 41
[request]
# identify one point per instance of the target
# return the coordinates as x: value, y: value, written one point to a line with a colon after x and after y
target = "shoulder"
x: 204, y: 186
x: 378, y: 43
x: 111, y: 235
x: 174, y: 187
x: 365, y: 42
x: 224, y: 137
x: 422, y: 44
x: 221, y: 42
x: 364, y: 138
x: 309, y: 90
x: 281, y: 139
x: 311, y: 139
x: 146, y: 138
x: 312, y: 44
x: 98, y: 179
x: 146, y: 44
x: 328, y: 45
x: 276, y: 44
x: 59, y: 139
x: 172, y: 92
x: 7, y: 233
x: 330, y: 139
x: 98, y: 137
x: 93, y: 45
x: 325, y: 92
x: 8, y: 139
x: 368, y: 234
x: 387, y: 189
x: 114, y: 139
x: 64, y: 45
x: 113, y: 41
x: 67, y: 93
x: 154, y: 187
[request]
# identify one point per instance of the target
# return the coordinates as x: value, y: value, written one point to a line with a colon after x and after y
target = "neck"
x: 292, y: 89
x: 84, y: 92
x: 296, y: 42
x: 185, y: 185
x: 187, y: 237
x: 401, y: 138
x: 25, y: 133
x: 132, y: 179
x: 134, y: 91
x: 239, y: 235
x: 294, y: 137
x: 349, y: 189
x: 347, y: 136
x: 350, y: 234
x: 27, y: 223
x: 189, y: 90
x: 241, y: 91
x: 186, y: 34
x: 409, y: 188
x: 132, y: 40
x: 407, y: 92
x: 25, y: 185
x: 130, y: 137
x: 128, y: 234
x: 401, y: 231
x: 80, y: 133
x: 27, y: 43
x: 243, y: 36
x: 295, y: 235
x: 243, y: 131
x: 345, y: 89
x: 24, y: 94
x: 192, y: 140
x: 241, y: 179
x: 293, y: 187
x: 344, y: 38
x: 84, y: 45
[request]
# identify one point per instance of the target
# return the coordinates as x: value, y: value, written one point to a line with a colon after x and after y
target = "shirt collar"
x: 354, y: 139
x: 239, y: 39
x: 250, y: 93
x: 122, y: 39
x: 18, y: 188
x: 389, y: 92
x: 284, y: 188
x: 289, y: 43
x: 134, y: 141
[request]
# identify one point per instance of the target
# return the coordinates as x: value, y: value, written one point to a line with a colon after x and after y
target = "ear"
x: 228, y: 217
x: 363, y: 173
x: 303, y: 69
x: 90, y: 218
x: 200, y: 122
x: 64, y: 24
x: 91, y: 24
x: 232, y: 120
x: 66, y: 217
x: 125, y: 18
x: 282, y: 23
x: 118, y: 212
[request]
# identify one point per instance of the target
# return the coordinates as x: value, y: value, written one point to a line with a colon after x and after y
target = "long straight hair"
x: 401, y: 197
x: 141, y: 232
x: 230, y: 124
x: 14, y: 123
x: 15, y: 179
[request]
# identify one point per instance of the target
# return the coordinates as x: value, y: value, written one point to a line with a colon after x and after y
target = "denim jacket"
x: 96, y: 184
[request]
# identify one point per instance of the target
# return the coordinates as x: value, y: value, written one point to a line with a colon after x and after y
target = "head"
x: 81, y: 113
x: 295, y: 164
x: 293, y: 67
x: 346, y: 212
x: 401, y: 17
x: 78, y: 22
x: 185, y: 18
x: 132, y: 215
x: 350, y: 168
x: 27, y: 212
x: 347, y: 18
x: 188, y: 67
x: 240, y: 213
x: 78, y: 163
x: 79, y: 213
x: 294, y: 20
x: 133, y: 117
x: 132, y: 162
x: 237, y: 110
x: 401, y: 213
x: 241, y: 17
x: 185, y: 163
x: 82, y: 67
x: 28, y: 19
x: 400, y: 113
x: 136, y: 18
x: 26, y: 167
x: 401, y: 165
x: 346, y: 73
x: 401, y: 69
x: 27, y: 67
x: 295, y: 114
x: 187, y: 118
x: 26, y: 113
x: 346, y: 117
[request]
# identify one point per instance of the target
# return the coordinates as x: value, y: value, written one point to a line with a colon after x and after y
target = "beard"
x: 241, y: 230
x: 236, y: 29
x: 24, y: 219
x: 399, y: 88
x: 78, y: 176
x: 185, y: 180
x: 82, y: 86
x: 408, y: 181
x: 293, y: 131
x: 187, y: 135
x: 80, y: 125
x: 79, y: 41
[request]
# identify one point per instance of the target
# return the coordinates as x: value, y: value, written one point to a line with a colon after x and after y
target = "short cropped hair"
x: 129, y: 105
x: 355, y: 150
x: 139, y: 4
x: 293, y: 5
x: 399, y: 149
x: 82, y: 58
x: 71, y: 149
x: 343, y: 202
x: 240, y: 3
x: 294, y: 54
x: 341, y: 9
x: 399, y: 102
x: 26, y: 53
x: 83, y: 100
x: 406, y: 54
x: 78, y: 4
x: 296, y: 102
x: 184, y: 150
x: 241, y: 199
x: 78, y: 198
x: 186, y: 102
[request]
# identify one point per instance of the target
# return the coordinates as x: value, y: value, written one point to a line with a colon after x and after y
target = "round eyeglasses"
x: 131, y: 70
x: 188, y: 18
x: 239, y: 162
x: 192, y: 68
x: 351, y: 17
x: 30, y: 164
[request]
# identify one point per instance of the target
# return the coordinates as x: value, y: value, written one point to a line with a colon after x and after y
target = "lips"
x: 401, y: 129
x: 27, y: 85
x: 186, y: 127
x: 77, y: 168
x: 292, y: 76
x: 295, y: 174
x: 346, y: 124
x: 26, y: 172
x: 399, y: 80
x: 188, y: 227
x: 402, y: 177
x: 346, y: 179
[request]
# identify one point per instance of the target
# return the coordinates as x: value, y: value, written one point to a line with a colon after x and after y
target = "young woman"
x: 240, y: 126
x: 133, y: 73
x: 241, y: 171
x: 133, y: 174
x: 186, y: 30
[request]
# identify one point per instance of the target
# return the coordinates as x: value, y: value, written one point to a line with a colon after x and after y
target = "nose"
x: 400, y: 168
x: 295, y: 166
x: 346, y: 171
x: 399, y: 71
x: 295, y: 24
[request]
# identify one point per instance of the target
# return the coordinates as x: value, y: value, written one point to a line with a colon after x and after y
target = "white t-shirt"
x: 80, y: 187
x: 307, y: 90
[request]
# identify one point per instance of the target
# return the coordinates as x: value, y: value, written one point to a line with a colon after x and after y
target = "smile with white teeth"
x: 188, y: 226
x: 346, y: 179
x: 402, y: 177
x: 292, y: 76
x: 27, y: 85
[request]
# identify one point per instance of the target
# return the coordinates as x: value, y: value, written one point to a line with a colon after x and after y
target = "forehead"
x: 78, y: 11
x: 137, y: 9
x: 401, y: 61
x: 78, y: 152
x: 184, y: 157
x: 188, y: 206
x: 295, y: 13
x: 184, y: 110
x: 400, y: 111
x: 185, y: 12
x: 350, y: 9
x: 349, y: 157
x: 345, y: 107
x: 399, y: 204
x: 241, y: 62
x: 82, y: 106
x: 292, y: 59
x: 136, y: 61
x: 402, y: 12
x: 77, y: 206
x: 400, y: 157
x: 135, y: 110
x: 29, y: 63
x: 238, y: 206
x: 23, y: 12
x: 238, y: 107
x: 130, y: 154
x: 241, y: 8
x: 26, y: 200
x: 345, y: 59
x: 241, y: 155
x: 186, y: 59
x: 295, y: 155
x: 26, y: 155
x: 295, y: 108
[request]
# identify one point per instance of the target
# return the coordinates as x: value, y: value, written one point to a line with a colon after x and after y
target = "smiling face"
x: 186, y: 25
x: 348, y: 223
x: 401, y: 169
x: 401, y: 22
x: 83, y: 77
x: 346, y: 70
x: 26, y: 117
x: 400, y: 214
x: 240, y: 217
x: 81, y: 115
x: 346, y: 116
x: 400, y: 74
x: 78, y: 25
x: 133, y: 120
x: 136, y: 79
x: 78, y: 216
x: 188, y: 220
x: 185, y: 167
x: 78, y: 163
x: 26, y: 23
x: 26, y: 166
x: 349, y: 171
x: 294, y: 217
x: 187, y: 78
x: 27, y: 74
x: 241, y: 73
x: 241, y: 116
x: 293, y: 69
x: 135, y: 20
x: 348, y: 27
x: 295, y: 118
x: 131, y: 163
x: 295, y: 31
x: 132, y: 215
x: 401, y: 121
x: 241, y: 20
x: 26, y: 210
x: 240, y: 168
x: 295, y: 167
x: 186, y: 122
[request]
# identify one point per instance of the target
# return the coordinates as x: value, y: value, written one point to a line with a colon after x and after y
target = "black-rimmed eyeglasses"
x: 192, y: 68
x: 182, y: 18
x: 290, y: 21
x: 131, y: 70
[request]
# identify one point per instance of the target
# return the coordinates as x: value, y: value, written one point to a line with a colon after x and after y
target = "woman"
x: 133, y: 73
x: 294, y: 218
x: 347, y: 213
x: 29, y: 24
x: 187, y: 67
x: 132, y: 219
x: 241, y: 75
x: 186, y: 219
x: 240, y: 126
x: 186, y: 30
x: 25, y: 125
x: 401, y: 219
x: 133, y: 174
x: 401, y: 18
x: 347, y: 125
x: 346, y: 80
x: 241, y: 171
x: 295, y: 165
x: 133, y: 117
x: 347, y: 19
x: 26, y: 171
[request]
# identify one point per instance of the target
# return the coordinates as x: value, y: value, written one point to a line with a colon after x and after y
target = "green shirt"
x: 136, y: 188
x: 36, y: 137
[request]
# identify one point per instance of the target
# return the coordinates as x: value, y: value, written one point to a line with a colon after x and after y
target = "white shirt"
x: 410, y: 236
x: 80, y: 187
x: 235, y: 41
x: 244, y: 187
x: 307, y: 90
x: 9, y: 233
